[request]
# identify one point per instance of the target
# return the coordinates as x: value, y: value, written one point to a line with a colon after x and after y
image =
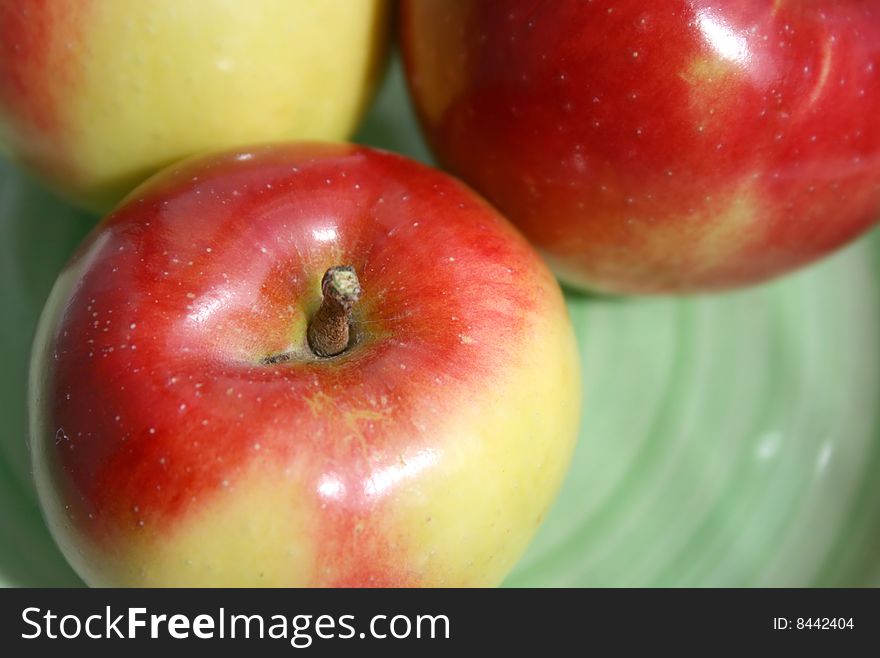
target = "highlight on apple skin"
x: 183, y: 433
x: 96, y: 95
x: 664, y: 147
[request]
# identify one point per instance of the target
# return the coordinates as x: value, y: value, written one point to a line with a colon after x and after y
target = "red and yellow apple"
x: 676, y: 146
x: 183, y: 432
x: 96, y: 95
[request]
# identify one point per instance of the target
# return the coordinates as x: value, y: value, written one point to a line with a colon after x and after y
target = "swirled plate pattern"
x: 729, y: 440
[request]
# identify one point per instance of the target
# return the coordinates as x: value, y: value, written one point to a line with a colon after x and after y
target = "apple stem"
x: 328, y: 332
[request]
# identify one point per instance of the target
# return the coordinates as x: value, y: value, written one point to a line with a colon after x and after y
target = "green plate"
x: 731, y: 440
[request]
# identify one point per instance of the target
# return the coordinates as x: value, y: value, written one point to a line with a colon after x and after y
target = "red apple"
x: 184, y: 432
x: 676, y: 146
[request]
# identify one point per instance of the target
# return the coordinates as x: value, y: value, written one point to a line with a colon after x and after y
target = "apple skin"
x: 670, y: 147
x: 96, y: 95
x: 167, y: 453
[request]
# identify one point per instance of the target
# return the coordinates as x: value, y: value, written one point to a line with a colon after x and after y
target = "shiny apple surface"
x: 665, y: 147
x: 184, y: 433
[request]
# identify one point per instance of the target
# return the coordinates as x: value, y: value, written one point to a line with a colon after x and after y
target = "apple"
x: 301, y: 365
x: 96, y: 95
x: 667, y: 147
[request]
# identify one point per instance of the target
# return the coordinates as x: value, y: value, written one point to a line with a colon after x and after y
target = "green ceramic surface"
x: 731, y: 440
